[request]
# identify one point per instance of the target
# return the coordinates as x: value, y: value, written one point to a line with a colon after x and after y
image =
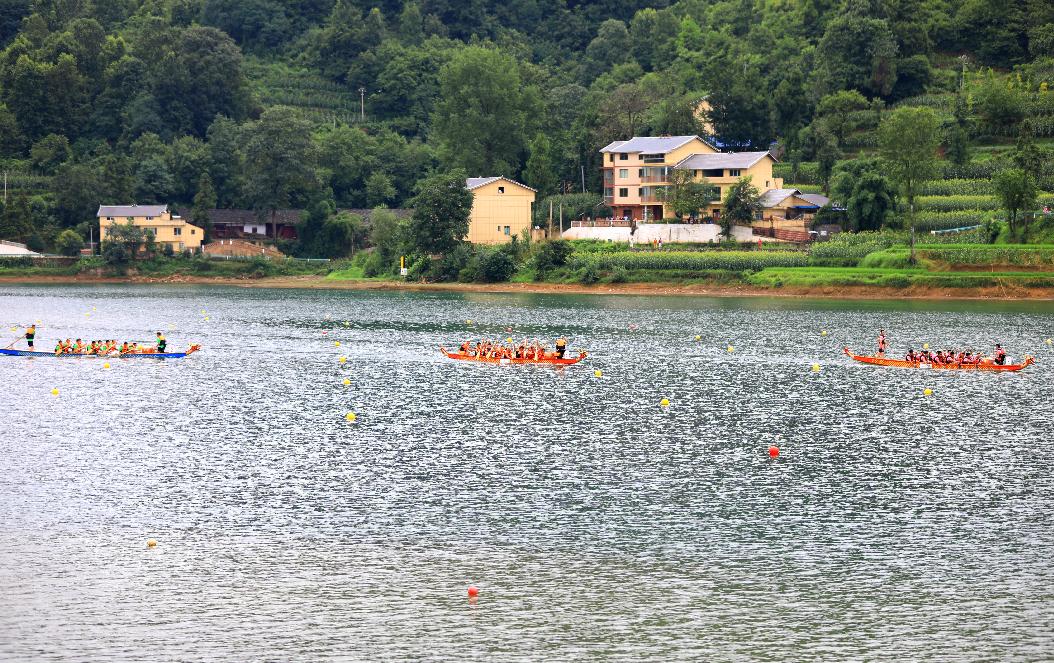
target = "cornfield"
x: 989, y: 254
x: 957, y: 187
x: 738, y: 261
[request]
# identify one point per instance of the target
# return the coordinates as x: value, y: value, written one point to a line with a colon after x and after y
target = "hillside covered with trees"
x: 328, y: 104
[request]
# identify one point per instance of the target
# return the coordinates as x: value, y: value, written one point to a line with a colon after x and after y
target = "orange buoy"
x: 473, y: 591
x: 774, y: 451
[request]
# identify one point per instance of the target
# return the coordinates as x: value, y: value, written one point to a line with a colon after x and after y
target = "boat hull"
x: 137, y: 355
x: 551, y: 361
x: 901, y: 363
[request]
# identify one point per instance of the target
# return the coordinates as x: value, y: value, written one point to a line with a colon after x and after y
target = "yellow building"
x: 501, y: 209
x: 166, y: 228
x: 636, y: 170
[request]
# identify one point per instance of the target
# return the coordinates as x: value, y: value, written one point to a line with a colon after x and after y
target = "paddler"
x: 1000, y: 354
x: 561, y: 347
x: 78, y: 347
x: 881, y: 342
x: 125, y: 349
x: 31, y: 333
x: 161, y: 343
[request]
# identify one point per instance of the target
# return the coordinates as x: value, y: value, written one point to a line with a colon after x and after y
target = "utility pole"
x: 362, y: 104
x: 583, y: 170
x: 5, y: 187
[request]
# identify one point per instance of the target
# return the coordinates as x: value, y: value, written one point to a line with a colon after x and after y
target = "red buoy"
x: 473, y: 591
x: 774, y: 451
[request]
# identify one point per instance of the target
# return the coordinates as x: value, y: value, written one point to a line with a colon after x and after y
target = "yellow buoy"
x: 346, y: 382
x: 925, y: 346
x: 731, y: 349
x: 698, y: 337
x: 815, y: 368
x: 927, y: 391
x: 54, y: 392
x: 336, y: 343
x: 93, y: 308
x: 203, y: 311
x: 664, y: 402
x: 150, y: 543
x: 598, y: 373
x: 350, y: 416
x: 346, y: 323
x: 342, y: 359
x: 508, y: 340
x: 106, y: 365
x: 206, y: 318
x: 1050, y: 341
x: 468, y: 322
x: 823, y: 333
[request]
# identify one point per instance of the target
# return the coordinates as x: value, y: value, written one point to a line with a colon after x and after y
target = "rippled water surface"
x: 597, y: 525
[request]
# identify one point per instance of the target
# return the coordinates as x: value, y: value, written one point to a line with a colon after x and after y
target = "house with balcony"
x: 635, y: 171
x: 167, y: 229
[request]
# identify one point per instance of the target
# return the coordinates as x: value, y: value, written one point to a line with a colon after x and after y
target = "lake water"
x: 595, y: 523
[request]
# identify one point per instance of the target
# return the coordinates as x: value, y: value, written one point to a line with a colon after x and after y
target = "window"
x: 623, y: 193
x: 623, y: 173
x: 734, y: 172
x: 713, y: 172
x: 653, y: 158
x: 623, y: 156
x: 767, y: 184
x: 507, y: 231
x: 611, y: 158
x: 501, y: 189
x: 149, y: 218
x: 177, y: 231
x: 191, y: 231
x: 640, y: 172
x: 109, y: 218
x: 695, y: 173
x: 608, y: 192
x: 719, y: 194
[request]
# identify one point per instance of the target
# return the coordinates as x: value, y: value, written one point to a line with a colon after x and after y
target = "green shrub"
x: 496, y: 266
x: 894, y: 258
x: 849, y: 248
x: 551, y: 255
x: 373, y: 265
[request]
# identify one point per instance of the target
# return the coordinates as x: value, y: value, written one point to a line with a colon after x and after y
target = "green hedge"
x: 690, y: 260
x: 849, y: 248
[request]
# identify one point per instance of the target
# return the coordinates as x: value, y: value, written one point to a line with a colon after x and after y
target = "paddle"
x: 17, y: 340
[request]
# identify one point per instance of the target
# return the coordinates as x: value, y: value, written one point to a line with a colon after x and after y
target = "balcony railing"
x: 655, y: 179
x: 650, y: 198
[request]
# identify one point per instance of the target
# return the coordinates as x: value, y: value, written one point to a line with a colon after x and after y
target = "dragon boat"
x: 554, y: 361
x: 116, y: 355
x: 985, y: 365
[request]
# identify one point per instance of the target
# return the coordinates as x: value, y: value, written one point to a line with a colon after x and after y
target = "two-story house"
x: 501, y: 209
x: 156, y: 219
x: 635, y: 171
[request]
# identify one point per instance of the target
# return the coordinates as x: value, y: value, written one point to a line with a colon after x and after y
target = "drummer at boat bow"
x: 31, y: 333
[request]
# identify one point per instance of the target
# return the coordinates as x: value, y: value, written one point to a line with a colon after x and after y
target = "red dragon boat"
x: 554, y: 361
x: 985, y: 365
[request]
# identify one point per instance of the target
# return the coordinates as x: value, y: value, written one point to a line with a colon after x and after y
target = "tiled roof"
x: 815, y: 198
x: 774, y: 197
x: 719, y: 160
x: 131, y: 210
x: 476, y: 182
x: 649, y: 144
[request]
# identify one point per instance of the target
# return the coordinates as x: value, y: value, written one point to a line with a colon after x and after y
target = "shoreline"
x: 314, y: 282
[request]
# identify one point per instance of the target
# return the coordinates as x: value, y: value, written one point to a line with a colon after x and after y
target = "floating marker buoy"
x: 346, y: 382
x: 54, y: 392
x: 664, y: 402
x: 823, y: 333
x: 203, y: 311
x: 731, y: 349
x: 151, y: 543
x: 774, y: 451
x: 508, y: 340
x: 336, y: 343
x: 106, y: 365
x: 815, y: 368
x: 925, y: 346
x: 206, y: 318
x: 93, y: 308
x: 324, y: 332
x: 342, y: 359
x: 350, y: 416
x: 473, y: 591
x: 927, y: 392
x: 1050, y: 341
x: 468, y: 322
x: 597, y: 373
x: 346, y: 323
x: 698, y: 337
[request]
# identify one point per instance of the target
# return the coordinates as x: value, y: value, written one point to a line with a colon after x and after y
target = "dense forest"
x: 327, y: 104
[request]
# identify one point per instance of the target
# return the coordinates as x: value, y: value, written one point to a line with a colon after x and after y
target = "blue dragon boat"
x: 116, y: 355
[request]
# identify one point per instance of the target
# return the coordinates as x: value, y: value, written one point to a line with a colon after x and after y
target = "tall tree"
x: 540, y: 172
x: 441, y: 210
x: 741, y: 205
x: 204, y: 201
x: 871, y: 203
x: 1017, y: 192
x: 908, y: 139
x: 858, y: 52
x: 281, y: 155
x: 484, y: 111
x: 684, y: 195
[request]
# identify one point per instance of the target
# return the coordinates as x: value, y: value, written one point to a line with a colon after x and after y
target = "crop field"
x: 689, y: 260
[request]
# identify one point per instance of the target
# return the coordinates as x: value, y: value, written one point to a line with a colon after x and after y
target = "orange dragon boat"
x: 554, y: 361
x: 985, y: 365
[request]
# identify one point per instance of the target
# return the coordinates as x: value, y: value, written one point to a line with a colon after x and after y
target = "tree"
x: 69, y: 243
x: 281, y: 154
x: 1017, y: 191
x: 15, y: 222
x: 50, y: 152
x: 611, y: 46
x: 999, y: 107
x: 739, y: 110
x: 857, y: 52
x: 341, y: 233
x: 385, y: 235
x: 871, y: 203
x: 540, y: 170
x: 957, y: 136
x: 379, y: 189
x: 684, y: 195
x: 827, y: 154
x: 1027, y: 155
x: 908, y: 139
x: 204, y: 200
x: 483, y: 113
x: 742, y: 204
x: 123, y: 241
x: 836, y: 110
x: 441, y: 210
